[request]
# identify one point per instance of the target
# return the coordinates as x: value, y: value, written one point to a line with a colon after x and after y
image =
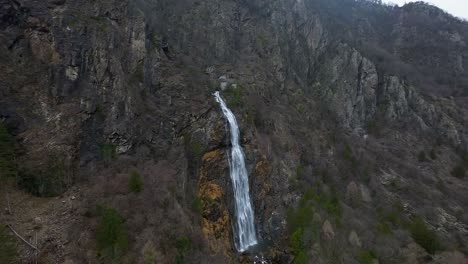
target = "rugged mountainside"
x: 354, y: 121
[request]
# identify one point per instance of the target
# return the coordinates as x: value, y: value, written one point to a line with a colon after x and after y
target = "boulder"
x: 354, y: 239
x: 327, y: 230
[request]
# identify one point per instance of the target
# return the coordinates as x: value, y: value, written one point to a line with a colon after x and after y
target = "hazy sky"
x: 457, y: 8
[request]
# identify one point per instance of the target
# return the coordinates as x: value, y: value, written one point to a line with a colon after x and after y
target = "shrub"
x: 366, y: 257
x: 300, y: 217
x: 183, y: 246
x: 375, y: 127
x: 349, y: 156
x: 433, y: 154
x: 329, y: 202
x: 7, y: 154
x: 300, y: 108
x: 300, y: 170
x: 422, y: 156
x: 459, y: 171
x: 234, y: 96
x: 111, y: 235
x: 298, y: 247
x: 299, y: 220
x: 100, y: 22
x: 383, y: 228
x: 395, y: 214
x: 108, y: 152
x: 262, y: 40
x: 332, y: 205
x: 155, y: 41
x: 302, y: 225
x: 139, y: 75
x: 301, y: 258
x: 425, y: 237
x: 150, y: 259
x: 194, y: 147
x: 135, y: 183
x: 47, y: 180
x: 8, y: 250
x: 197, y: 205
x: 296, y: 243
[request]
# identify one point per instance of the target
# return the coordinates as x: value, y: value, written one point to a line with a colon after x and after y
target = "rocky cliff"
x: 353, y: 118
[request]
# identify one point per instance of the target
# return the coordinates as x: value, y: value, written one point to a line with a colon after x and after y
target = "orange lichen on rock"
x: 215, y: 223
x: 212, y: 156
x: 211, y: 191
x: 261, y: 172
x: 262, y: 168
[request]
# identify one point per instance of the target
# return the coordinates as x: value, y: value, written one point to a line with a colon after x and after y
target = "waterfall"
x: 245, y: 235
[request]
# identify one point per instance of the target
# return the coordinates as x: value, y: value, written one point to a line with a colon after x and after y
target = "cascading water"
x: 244, y: 227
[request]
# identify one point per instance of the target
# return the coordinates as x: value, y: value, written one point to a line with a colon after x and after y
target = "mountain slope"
x: 353, y: 118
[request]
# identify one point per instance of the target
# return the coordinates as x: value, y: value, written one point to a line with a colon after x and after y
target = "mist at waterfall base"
x: 244, y: 231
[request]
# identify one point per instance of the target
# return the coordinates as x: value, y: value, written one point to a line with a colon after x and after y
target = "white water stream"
x: 244, y: 230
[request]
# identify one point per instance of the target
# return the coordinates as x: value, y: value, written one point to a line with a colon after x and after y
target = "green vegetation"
x: 47, y: 180
x: 135, y: 183
x: 183, y: 246
x: 111, y: 236
x: 301, y: 108
x: 433, y: 154
x: 298, y: 220
x: 8, y: 250
x: 99, y: 109
x: 421, y: 234
x: 349, y: 156
x: 194, y: 147
x: 303, y: 227
x: 262, y: 40
x: 197, y: 205
x: 108, y: 152
x: 366, y: 174
x: 425, y: 237
x: 234, y: 96
x: 156, y: 41
x: 150, y: 259
x: 298, y: 248
x: 7, y: 154
x: 383, y: 228
x: 394, y: 215
x: 300, y: 170
x: 459, y: 171
x: 366, y: 257
x: 375, y: 127
x: 99, y: 21
x: 422, y: 156
x: 138, y: 75
x: 328, y: 202
x: 301, y: 217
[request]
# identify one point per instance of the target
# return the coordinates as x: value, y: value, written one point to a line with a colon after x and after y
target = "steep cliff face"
x: 353, y: 115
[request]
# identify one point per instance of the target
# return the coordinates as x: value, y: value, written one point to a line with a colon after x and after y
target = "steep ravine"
x: 352, y: 119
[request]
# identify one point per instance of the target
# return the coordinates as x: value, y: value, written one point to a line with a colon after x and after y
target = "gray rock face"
x: 348, y: 82
x: 117, y: 85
